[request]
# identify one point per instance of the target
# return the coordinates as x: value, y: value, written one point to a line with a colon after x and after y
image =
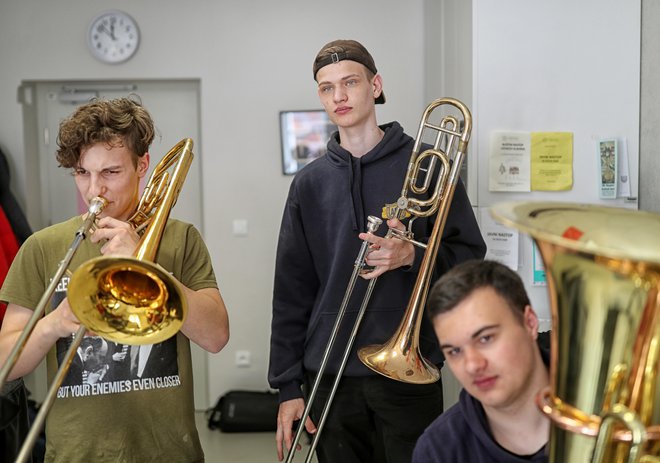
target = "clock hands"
x: 112, y: 29
x: 110, y: 32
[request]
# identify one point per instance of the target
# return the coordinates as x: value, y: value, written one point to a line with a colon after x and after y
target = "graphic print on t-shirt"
x: 106, y: 367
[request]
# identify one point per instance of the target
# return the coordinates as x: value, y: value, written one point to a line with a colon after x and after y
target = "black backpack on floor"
x: 245, y: 411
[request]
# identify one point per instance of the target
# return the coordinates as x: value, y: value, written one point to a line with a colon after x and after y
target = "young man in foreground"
x: 488, y: 333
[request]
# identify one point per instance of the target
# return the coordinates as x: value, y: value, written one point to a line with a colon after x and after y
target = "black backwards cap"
x: 340, y: 50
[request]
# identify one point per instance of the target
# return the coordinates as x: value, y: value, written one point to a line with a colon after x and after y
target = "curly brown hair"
x: 117, y: 122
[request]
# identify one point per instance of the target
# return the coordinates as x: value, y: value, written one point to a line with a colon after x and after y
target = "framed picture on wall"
x: 304, y: 137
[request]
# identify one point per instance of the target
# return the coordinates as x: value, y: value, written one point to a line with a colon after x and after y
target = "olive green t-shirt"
x: 121, y: 404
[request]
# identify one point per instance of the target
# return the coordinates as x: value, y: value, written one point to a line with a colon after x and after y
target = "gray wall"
x: 649, y: 155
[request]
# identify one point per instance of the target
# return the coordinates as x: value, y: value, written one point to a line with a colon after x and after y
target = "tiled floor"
x: 258, y: 447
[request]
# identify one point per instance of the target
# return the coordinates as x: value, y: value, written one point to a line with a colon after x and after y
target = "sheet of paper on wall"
x: 551, y: 161
x: 501, y: 241
x: 509, y: 161
x: 538, y: 269
x: 608, y: 167
x: 623, y: 185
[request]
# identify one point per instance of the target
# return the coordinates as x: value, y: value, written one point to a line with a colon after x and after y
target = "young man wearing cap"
x: 488, y: 333
x: 372, y: 418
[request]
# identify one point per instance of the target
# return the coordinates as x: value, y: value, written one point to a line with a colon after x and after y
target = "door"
x: 174, y: 106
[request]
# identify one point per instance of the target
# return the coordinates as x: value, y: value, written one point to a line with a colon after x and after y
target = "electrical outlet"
x: 242, y: 358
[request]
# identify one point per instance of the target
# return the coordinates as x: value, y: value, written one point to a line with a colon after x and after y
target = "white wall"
x: 560, y: 66
x: 649, y: 187
x: 448, y: 59
x: 253, y: 58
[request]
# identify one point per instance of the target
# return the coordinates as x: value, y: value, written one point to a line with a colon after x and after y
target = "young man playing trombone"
x: 105, y: 144
x: 372, y: 418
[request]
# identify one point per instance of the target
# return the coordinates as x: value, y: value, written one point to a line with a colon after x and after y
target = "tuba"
x: 400, y: 358
x: 130, y: 300
x: 603, y: 273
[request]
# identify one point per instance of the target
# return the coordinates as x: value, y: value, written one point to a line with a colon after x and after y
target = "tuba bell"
x: 603, y: 273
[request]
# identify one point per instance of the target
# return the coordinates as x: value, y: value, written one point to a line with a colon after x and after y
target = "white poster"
x: 501, y: 241
x: 509, y: 161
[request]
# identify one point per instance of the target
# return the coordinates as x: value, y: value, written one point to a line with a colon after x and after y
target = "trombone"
x: 130, y: 300
x: 400, y: 358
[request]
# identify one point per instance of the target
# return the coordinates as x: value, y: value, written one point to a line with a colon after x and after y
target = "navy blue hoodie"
x: 462, y: 434
x: 328, y: 203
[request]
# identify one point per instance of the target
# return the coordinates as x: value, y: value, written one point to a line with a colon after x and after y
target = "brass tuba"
x: 130, y: 300
x: 603, y: 274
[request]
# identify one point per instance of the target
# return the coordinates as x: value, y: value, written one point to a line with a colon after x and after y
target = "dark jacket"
x: 14, y: 421
x: 328, y: 203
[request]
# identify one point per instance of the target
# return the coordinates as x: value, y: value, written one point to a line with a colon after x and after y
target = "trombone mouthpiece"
x: 373, y: 223
x: 97, y: 205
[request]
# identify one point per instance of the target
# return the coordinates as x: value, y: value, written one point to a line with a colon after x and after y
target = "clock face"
x: 113, y: 37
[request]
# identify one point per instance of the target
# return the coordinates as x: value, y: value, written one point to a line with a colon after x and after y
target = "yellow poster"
x: 552, y: 161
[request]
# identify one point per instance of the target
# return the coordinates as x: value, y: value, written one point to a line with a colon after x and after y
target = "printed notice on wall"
x: 608, y: 168
x: 552, y: 161
x: 509, y: 161
x: 612, y: 159
x: 501, y: 241
x: 538, y: 269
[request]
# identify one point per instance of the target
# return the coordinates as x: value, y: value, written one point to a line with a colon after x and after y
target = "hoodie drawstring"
x: 355, y: 186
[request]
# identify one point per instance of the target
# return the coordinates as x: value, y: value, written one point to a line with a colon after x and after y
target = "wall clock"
x: 113, y: 37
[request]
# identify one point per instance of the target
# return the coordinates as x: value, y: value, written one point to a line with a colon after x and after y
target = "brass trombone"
x: 603, y: 272
x: 130, y: 300
x: 400, y: 358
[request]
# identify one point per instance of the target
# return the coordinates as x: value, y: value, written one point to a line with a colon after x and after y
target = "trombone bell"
x: 127, y: 300
x: 400, y: 363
